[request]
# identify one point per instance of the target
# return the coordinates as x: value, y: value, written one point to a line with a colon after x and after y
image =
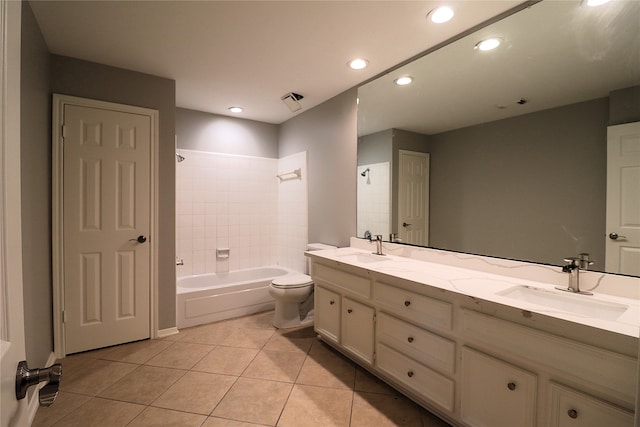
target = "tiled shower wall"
x: 228, y: 202
x: 374, y: 204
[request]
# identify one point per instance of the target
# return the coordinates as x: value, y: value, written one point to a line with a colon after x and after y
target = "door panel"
x: 413, y: 198
x: 106, y: 207
x: 623, y: 199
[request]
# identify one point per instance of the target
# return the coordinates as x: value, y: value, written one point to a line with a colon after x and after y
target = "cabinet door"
x: 570, y: 408
x: 495, y: 393
x: 357, y: 328
x: 327, y: 313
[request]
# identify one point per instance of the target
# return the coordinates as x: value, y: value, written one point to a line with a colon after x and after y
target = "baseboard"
x: 167, y: 332
x: 33, y: 395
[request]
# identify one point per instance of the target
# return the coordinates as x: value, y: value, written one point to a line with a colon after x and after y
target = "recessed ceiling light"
x: 440, y: 15
x: 358, y: 64
x: 594, y: 3
x: 236, y: 109
x: 403, y: 81
x: 489, y: 44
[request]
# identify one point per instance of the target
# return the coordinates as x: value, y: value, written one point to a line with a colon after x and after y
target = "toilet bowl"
x: 294, y: 296
x: 290, y: 292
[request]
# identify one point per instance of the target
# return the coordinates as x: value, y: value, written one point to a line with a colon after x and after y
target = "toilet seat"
x: 292, y: 281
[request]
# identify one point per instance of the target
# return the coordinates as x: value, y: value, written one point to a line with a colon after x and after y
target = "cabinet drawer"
x: 421, y: 309
x: 496, y: 393
x: 351, y: 282
x: 425, y: 347
x: 570, y: 408
x: 327, y: 313
x: 416, y: 376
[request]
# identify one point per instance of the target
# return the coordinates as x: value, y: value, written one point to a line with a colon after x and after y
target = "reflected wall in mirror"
x: 517, y: 136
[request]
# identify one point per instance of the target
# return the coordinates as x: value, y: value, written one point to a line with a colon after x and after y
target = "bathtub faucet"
x: 179, y: 261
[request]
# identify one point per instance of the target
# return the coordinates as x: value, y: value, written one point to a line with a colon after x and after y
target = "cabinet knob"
x: 332, y: 302
x: 410, y: 374
x: 511, y: 386
x: 572, y: 413
x: 410, y: 339
x: 407, y: 303
x: 349, y: 311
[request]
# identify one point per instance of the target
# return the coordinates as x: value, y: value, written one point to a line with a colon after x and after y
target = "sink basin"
x: 582, y: 305
x: 362, y: 258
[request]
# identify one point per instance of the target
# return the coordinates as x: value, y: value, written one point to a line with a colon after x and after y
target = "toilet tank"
x: 316, y: 247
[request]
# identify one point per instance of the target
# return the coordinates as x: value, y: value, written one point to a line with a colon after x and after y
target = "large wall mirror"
x: 504, y: 152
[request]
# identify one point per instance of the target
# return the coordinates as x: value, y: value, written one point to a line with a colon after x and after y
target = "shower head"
x: 179, y: 158
x: 364, y: 173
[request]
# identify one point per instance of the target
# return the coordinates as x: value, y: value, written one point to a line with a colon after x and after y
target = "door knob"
x: 404, y: 224
x: 26, y: 377
x: 615, y: 236
x: 140, y: 239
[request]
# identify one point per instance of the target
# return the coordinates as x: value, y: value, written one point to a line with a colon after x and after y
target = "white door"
x: 623, y: 199
x: 413, y: 197
x: 13, y: 412
x: 106, y: 222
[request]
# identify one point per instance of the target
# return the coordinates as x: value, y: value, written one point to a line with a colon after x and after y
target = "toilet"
x: 294, y: 296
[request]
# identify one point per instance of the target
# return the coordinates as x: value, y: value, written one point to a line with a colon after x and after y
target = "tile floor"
x: 235, y: 373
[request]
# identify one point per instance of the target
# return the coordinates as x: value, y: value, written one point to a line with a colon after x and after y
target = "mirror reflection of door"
x: 623, y: 199
x: 413, y: 197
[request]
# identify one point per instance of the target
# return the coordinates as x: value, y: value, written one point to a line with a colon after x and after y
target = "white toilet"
x: 294, y: 296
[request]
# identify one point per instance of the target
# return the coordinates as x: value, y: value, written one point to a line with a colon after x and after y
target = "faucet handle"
x: 572, y: 260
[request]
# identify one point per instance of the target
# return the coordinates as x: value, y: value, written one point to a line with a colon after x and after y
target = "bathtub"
x: 206, y: 298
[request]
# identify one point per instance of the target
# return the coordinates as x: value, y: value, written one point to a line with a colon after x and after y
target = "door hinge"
x: 63, y: 131
x: 64, y: 316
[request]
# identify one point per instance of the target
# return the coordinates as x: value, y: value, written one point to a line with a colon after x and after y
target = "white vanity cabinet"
x: 495, y: 393
x: 327, y: 313
x: 357, y: 328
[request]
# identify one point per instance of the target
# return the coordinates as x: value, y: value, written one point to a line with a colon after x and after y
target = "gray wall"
x: 528, y: 187
x: 624, y: 106
x: 375, y: 148
x: 35, y: 160
x: 75, y: 77
x: 197, y: 130
x: 328, y: 133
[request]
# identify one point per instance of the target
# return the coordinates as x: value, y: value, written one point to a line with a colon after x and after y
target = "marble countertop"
x: 497, y: 288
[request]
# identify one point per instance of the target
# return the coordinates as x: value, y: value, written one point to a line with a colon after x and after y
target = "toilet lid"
x: 292, y: 281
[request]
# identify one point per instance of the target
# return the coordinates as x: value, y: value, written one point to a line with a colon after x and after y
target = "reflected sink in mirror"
x: 362, y: 258
x: 582, y: 305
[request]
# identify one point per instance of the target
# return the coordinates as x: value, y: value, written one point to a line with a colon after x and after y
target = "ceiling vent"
x: 291, y: 100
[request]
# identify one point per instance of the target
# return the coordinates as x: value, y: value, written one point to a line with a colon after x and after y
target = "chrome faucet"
x: 576, y: 264
x: 378, y: 245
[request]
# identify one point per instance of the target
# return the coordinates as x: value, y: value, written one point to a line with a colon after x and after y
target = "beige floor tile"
x: 275, y: 365
x: 368, y: 383
x: 143, y: 385
x: 254, y: 401
x: 180, y: 355
x: 197, y: 392
x: 226, y: 360
x: 373, y: 409
x: 210, y: 334
x: 248, y: 338
x: 91, y: 376
x: 136, y: 352
x: 65, y: 403
x: 326, y: 368
x: 297, y: 341
x: 222, y: 422
x: 317, y: 407
x: 101, y: 413
x: 262, y: 320
x: 157, y: 417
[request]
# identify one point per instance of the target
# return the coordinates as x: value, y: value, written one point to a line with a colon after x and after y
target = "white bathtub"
x: 208, y: 298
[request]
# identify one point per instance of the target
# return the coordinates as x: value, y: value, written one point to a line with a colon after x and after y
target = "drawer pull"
x: 407, y: 303
x: 410, y: 339
x: 572, y: 413
x: 511, y: 386
x: 349, y: 311
x: 332, y: 302
x: 410, y: 374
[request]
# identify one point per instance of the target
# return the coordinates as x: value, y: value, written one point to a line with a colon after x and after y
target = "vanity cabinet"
x: 327, y: 313
x: 357, y: 328
x: 571, y: 408
x: 496, y: 393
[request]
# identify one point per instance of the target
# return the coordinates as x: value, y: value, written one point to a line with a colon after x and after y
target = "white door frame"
x: 59, y: 102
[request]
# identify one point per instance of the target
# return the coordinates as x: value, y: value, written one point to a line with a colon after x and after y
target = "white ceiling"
x: 250, y: 53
